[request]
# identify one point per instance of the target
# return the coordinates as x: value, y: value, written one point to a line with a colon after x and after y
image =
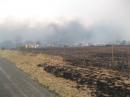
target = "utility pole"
x: 112, y: 55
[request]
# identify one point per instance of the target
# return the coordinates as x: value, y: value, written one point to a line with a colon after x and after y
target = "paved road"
x: 15, y: 83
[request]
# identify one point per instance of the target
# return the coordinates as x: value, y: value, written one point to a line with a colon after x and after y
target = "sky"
x: 94, y: 20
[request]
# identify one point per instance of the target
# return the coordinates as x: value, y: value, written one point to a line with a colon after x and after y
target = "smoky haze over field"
x: 71, y: 32
x: 103, y: 22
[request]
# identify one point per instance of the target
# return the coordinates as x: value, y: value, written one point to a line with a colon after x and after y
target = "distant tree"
x: 7, y: 44
x: 18, y: 41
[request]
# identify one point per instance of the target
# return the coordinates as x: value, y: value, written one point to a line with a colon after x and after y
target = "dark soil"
x: 103, y: 83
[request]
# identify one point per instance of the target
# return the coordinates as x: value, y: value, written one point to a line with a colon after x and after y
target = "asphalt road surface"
x: 15, y: 83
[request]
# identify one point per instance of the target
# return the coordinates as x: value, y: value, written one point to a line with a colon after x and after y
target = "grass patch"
x: 28, y: 63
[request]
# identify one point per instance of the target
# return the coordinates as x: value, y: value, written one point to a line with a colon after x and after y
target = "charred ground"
x: 98, y: 56
x: 93, y: 67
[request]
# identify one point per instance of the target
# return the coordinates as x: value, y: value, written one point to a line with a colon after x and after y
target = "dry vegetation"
x: 77, y: 72
x: 100, y: 56
x: 93, y: 68
x: 28, y: 63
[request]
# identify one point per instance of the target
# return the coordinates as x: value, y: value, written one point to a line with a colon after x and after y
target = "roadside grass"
x: 28, y: 63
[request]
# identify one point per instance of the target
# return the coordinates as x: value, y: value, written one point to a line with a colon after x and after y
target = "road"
x: 15, y: 83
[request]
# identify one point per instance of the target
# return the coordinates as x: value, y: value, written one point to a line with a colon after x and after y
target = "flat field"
x: 78, y: 71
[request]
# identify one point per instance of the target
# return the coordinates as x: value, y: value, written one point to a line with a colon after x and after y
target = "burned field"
x: 102, y: 83
x: 97, y: 56
x: 105, y: 73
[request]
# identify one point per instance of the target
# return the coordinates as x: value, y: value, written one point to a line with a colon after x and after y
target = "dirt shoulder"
x: 28, y: 63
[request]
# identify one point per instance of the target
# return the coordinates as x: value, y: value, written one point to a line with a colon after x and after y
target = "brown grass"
x: 28, y: 63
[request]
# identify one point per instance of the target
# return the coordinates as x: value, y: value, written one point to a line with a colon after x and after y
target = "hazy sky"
x: 89, y: 10
x: 23, y: 16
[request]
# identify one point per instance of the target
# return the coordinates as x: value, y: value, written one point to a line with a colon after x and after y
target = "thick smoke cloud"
x: 109, y: 22
x: 67, y: 33
x: 74, y: 33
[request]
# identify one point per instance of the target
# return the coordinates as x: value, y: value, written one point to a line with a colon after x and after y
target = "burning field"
x: 78, y: 72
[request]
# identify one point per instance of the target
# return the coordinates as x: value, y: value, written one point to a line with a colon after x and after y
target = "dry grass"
x: 28, y: 63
